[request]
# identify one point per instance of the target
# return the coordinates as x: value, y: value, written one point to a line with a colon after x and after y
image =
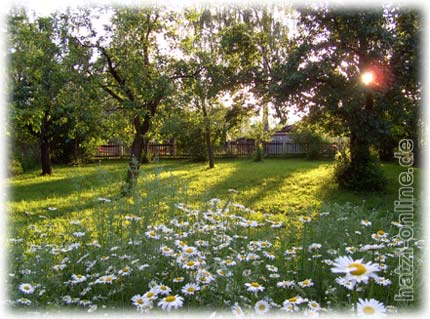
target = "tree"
x: 337, y: 48
x: 38, y: 78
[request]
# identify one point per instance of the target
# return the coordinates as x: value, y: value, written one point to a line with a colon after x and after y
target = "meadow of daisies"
x: 154, y: 253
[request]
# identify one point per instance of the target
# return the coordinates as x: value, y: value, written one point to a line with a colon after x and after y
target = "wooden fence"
x: 229, y: 149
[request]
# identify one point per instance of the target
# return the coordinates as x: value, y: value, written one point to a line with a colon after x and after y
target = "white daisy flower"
x: 355, y: 270
x: 269, y: 255
x: 140, y: 301
x: 171, y: 302
x: 26, y: 288
x: 306, y: 283
x: 237, y: 311
x: 271, y: 268
x: 349, y: 284
x: 370, y: 308
x: 124, y: 271
x: 24, y: 301
x: 78, y: 234
x: 313, y: 305
x: 261, y: 307
x: 228, y: 262
x: 151, y: 294
x: 190, y: 289
x: 305, y: 219
x: 178, y: 279
x: 383, y: 281
x: 190, y: 250
x: 78, y: 278
x: 163, y: 289
x: 152, y: 234
x: 286, y: 284
x: 191, y: 264
x: 254, y: 287
x: 297, y: 300
x: 366, y: 223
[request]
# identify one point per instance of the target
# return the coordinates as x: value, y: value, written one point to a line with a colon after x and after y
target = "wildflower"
x: 125, y: 271
x: 355, y: 270
x: 190, y: 289
x: 26, y: 288
x: 166, y: 251
x: 370, y: 307
x: 152, y: 234
x: 139, y: 301
x: 67, y: 299
x: 85, y: 302
x: 366, y: 223
x: 254, y: 287
x: 104, y: 200
x: 350, y: 249
x: 163, y: 289
x: 52, y: 208
x: 271, y: 268
x: 151, y: 294
x: 178, y: 279
x: 305, y: 219
x: 170, y: 302
x: 306, y: 283
x: 383, y: 281
x: 237, y: 310
x: 75, y: 222
x: 191, y: 265
x: 190, y: 250
x: 348, y: 284
x: 380, y: 235
x: 132, y: 218
x: 261, y: 307
x: 24, y: 301
x: 314, y: 246
x: 229, y: 262
x: 286, y: 284
x: 78, y: 278
x: 269, y: 255
x: 78, y: 234
x: 313, y: 305
x: 252, y: 257
x: 108, y: 279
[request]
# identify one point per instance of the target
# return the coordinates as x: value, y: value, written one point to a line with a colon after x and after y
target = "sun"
x: 368, y: 77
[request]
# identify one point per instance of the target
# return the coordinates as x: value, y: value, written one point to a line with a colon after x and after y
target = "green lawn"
x: 287, y: 186
x: 64, y: 225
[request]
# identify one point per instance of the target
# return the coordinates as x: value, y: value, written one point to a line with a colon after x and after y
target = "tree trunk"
x: 136, y: 153
x: 208, y: 136
x: 360, y: 150
x: 44, y: 157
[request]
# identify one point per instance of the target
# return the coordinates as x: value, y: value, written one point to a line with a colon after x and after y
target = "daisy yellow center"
x: 255, y: 284
x: 368, y: 310
x: 150, y: 294
x: 263, y: 244
x: 305, y: 218
x: 166, y: 248
x: 189, y: 250
x: 293, y: 299
x: 125, y: 269
x: 306, y: 282
x: 78, y: 276
x: 163, y: 288
x: 358, y: 269
x: 140, y: 301
x: 190, y: 289
x: 228, y: 261
x: 152, y: 233
x: 181, y: 243
x: 26, y: 287
x: 190, y: 263
x: 381, y: 232
x: 108, y: 278
x: 262, y: 307
x: 315, y: 305
x: 178, y: 278
x: 170, y: 298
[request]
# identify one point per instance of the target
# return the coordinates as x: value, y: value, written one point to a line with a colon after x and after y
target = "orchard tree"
x: 38, y: 78
x: 341, y: 79
x: 136, y: 67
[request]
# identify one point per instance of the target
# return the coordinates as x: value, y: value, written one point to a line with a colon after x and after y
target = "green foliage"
x: 15, y: 167
x: 365, y: 177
